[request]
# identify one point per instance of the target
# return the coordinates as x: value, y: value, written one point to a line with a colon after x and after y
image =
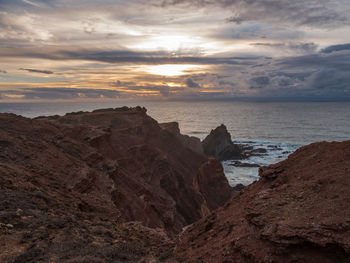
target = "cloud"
x: 265, y: 48
x: 299, y: 12
x: 190, y: 83
x: 58, y: 93
x: 289, y: 47
x: 321, y: 75
x: 122, y: 56
x: 336, y: 60
x: 3, y: 71
x: 259, y: 82
x: 331, y: 80
x: 335, y: 48
x: 28, y: 27
x: 31, y: 3
x: 36, y: 70
x: 147, y: 88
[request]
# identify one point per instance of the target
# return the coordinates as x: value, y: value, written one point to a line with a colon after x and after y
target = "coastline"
x: 114, y: 185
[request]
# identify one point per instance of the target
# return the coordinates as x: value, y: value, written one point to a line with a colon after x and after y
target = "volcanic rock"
x: 218, y: 144
x: 242, y: 164
x: 191, y: 142
x: 71, y: 188
x: 297, y: 212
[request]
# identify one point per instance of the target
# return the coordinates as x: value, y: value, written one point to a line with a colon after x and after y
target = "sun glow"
x: 169, y: 43
x: 172, y: 69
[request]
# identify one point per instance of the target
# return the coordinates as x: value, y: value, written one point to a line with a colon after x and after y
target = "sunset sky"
x: 174, y: 50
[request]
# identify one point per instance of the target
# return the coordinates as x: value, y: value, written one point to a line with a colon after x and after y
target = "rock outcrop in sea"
x: 73, y: 187
x: 218, y: 144
x: 297, y: 212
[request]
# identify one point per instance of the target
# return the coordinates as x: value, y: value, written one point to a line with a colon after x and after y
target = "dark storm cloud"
x: 37, y: 71
x: 3, y: 71
x: 226, y: 83
x: 331, y: 79
x: 335, y: 48
x: 234, y: 19
x: 336, y: 60
x: 324, y: 76
x: 123, y: 56
x: 60, y: 93
x: 119, y: 84
x: 294, y: 46
x: 152, y: 58
x: 300, y: 12
x: 162, y: 89
x: 190, y: 83
x: 259, y: 82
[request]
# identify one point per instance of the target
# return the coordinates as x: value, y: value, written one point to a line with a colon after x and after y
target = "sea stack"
x: 218, y: 144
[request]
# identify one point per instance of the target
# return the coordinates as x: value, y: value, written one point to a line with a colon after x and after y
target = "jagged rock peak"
x: 218, y: 144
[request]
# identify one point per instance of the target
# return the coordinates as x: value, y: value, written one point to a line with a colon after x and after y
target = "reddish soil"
x: 297, y: 212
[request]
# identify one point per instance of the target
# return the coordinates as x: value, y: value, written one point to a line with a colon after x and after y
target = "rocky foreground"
x: 115, y: 186
x: 71, y: 185
x: 297, y: 212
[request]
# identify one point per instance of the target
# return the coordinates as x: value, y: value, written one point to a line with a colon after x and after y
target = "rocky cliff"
x: 218, y: 144
x: 297, y: 212
x: 70, y: 187
x: 114, y: 186
x: 191, y: 142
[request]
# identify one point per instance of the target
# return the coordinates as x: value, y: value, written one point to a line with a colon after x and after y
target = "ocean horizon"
x: 279, y: 128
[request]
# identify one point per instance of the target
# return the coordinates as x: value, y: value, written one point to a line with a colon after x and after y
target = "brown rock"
x: 297, y: 212
x: 211, y: 184
x: 191, y: 142
x: 155, y: 170
x: 218, y: 144
x: 70, y: 187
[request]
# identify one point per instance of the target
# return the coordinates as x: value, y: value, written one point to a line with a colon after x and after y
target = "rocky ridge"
x: 218, y: 144
x: 72, y: 186
x: 191, y: 142
x: 297, y: 212
x: 115, y: 186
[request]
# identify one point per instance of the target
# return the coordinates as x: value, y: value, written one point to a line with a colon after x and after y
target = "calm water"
x: 279, y: 127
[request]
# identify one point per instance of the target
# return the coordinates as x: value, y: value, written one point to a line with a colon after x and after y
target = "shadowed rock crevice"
x: 191, y: 142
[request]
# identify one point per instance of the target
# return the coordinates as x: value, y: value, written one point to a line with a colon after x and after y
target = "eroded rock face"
x: 156, y: 171
x: 297, y: 212
x: 69, y: 186
x: 191, y: 142
x: 219, y: 144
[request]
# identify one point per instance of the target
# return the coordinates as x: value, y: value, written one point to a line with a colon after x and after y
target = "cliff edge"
x: 297, y: 212
x: 103, y: 186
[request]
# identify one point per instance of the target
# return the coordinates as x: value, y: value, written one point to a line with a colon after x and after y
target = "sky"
x: 82, y: 50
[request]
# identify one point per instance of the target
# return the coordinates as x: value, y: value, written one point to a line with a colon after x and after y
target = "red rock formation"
x: 69, y: 184
x: 218, y: 144
x: 155, y: 170
x: 297, y: 212
x: 191, y: 142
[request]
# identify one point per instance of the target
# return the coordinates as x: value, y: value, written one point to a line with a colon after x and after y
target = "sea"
x: 279, y: 128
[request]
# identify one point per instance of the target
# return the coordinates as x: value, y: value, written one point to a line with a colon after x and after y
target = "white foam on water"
x: 240, y: 175
x: 275, y: 152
